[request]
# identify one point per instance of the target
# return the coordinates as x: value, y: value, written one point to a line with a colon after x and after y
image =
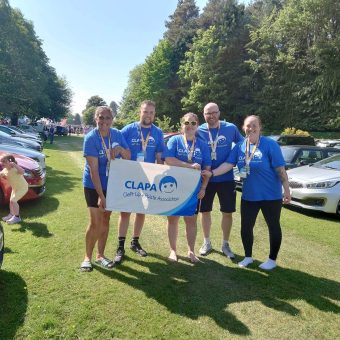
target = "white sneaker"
x: 226, y: 250
x: 268, y: 265
x: 14, y: 219
x: 245, y: 262
x: 206, y: 249
x: 6, y: 218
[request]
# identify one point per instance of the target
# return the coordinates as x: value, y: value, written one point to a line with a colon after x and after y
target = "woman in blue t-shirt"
x: 100, y: 146
x: 186, y: 151
x: 262, y: 167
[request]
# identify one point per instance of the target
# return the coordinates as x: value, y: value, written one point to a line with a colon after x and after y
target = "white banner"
x: 149, y: 188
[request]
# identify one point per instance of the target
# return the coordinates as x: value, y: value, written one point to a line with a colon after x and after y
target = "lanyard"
x: 144, y: 142
x: 107, y: 150
x: 213, y: 144
x: 250, y: 157
x: 190, y: 150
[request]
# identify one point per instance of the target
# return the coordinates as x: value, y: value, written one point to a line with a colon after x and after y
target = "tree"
x: 295, y: 57
x: 95, y: 101
x: 28, y: 85
x: 77, y: 119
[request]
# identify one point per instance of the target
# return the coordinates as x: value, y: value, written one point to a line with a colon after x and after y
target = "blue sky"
x: 95, y: 44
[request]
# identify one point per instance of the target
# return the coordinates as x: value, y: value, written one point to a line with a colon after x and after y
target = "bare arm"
x: 222, y: 169
x: 159, y: 158
x: 176, y: 162
x: 204, y: 184
x: 119, y: 150
x: 93, y: 165
x: 281, y: 172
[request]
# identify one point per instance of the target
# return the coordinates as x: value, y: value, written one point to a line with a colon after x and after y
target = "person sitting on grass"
x: 14, y: 174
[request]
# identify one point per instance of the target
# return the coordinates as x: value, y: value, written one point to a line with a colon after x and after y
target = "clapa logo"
x: 168, y: 184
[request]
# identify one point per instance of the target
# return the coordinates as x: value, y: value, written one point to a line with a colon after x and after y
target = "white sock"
x: 225, y: 242
x: 245, y: 262
x: 207, y: 240
x: 268, y: 265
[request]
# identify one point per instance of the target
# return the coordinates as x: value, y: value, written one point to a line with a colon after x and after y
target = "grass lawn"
x: 43, y: 294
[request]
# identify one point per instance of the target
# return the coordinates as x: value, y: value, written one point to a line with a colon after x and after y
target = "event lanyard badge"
x: 213, y: 143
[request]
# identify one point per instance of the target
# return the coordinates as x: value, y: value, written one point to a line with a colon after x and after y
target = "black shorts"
x: 91, y: 197
x: 226, y: 193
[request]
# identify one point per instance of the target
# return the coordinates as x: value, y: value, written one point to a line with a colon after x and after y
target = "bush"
x: 294, y: 131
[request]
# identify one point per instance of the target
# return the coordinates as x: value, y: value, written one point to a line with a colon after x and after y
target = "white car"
x: 317, y: 186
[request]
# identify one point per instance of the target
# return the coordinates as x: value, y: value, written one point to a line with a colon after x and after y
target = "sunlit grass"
x: 43, y: 294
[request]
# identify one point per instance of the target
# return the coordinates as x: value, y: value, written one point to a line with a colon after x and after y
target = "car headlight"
x: 28, y: 174
x: 321, y: 185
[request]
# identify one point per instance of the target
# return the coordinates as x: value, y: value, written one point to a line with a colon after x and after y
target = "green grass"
x: 43, y: 294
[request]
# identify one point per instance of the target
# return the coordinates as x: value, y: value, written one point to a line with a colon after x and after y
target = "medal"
x: 249, y: 156
x: 144, y: 143
x: 190, y: 151
x: 213, y: 144
x: 243, y: 173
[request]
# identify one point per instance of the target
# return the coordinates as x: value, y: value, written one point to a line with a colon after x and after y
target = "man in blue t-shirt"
x: 219, y: 136
x: 145, y: 141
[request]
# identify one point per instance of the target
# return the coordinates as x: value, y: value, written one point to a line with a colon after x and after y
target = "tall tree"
x: 28, y: 85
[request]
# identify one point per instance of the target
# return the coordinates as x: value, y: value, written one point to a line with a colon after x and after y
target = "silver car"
x: 317, y: 186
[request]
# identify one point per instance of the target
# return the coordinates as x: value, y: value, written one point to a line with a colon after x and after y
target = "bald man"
x: 219, y: 135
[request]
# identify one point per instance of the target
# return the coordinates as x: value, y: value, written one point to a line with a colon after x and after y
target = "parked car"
x: 12, y: 132
x: 31, y: 129
x: 36, y: 155
x: 33, y: 134
x: 34, y: 176
x: 168, y: 135
x: 26, y: 143
x: 317, y: 186
x: 2, y: 244
x: 61, y: 131
x: 329, y: 143
x: 293, y: 139
x: 298, y: 155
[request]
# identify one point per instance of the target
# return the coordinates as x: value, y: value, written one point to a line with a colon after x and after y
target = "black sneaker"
x: 119, y: 255
x: 136, y: 247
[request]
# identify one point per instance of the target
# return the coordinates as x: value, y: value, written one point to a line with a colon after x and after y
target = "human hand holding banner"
x: 149, y: 188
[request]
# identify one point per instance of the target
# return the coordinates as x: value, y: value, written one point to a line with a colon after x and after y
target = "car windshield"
x: 288, y: 154
x: 329, y: 163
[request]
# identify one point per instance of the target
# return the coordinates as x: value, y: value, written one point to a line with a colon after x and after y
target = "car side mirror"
x: 303, y: 162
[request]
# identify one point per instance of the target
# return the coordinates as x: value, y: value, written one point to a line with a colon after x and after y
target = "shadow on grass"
x: 313, y: 213
x: 37, y: 229
x: 208, y: 288
x: 40, y: 207
x: 13, y: 303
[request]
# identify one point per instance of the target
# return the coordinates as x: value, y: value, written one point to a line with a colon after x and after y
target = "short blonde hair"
x: 101, y: 109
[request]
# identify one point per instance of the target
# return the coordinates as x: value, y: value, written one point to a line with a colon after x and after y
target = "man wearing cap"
x: 146, y: 142
x: 219, y: 135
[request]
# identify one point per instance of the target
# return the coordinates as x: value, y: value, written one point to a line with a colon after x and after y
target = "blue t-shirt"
x: 132, y: 135
x: 176, y: 148
x: 227, y: 135
x: 93, y: 147
x: 263, y: 183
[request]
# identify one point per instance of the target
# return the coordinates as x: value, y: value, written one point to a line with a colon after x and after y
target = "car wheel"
x: 338, y: 209
x: 2, y: 245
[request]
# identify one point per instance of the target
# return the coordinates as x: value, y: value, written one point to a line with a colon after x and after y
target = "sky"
x: 95, y: 44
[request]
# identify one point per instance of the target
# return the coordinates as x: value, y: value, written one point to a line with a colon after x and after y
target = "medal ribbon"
x: 107, y: 151
x: 190, y: 150
x: 144, y: 142
x: 250, y: 157
x: 213, y: 144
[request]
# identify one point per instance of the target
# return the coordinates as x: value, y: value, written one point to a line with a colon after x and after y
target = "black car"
x: 298, y: 155
x: 293, y: 139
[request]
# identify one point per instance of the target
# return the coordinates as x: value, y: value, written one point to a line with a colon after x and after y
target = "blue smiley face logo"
x: 168, y: 185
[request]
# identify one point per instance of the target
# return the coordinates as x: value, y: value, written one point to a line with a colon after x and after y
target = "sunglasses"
x: 193, y: 123
x: 105, y: 117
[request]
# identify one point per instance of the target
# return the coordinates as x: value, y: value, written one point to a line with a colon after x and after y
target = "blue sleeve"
x: 125, y: 132
x: 206, y: 155
x: 160, y: 145
x: 233, y: 156
x: 275, y: 155
x: 90, y: 148
x: 171, y: 147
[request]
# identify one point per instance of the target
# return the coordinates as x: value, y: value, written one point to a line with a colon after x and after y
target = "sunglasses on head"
x: 193, y: 123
